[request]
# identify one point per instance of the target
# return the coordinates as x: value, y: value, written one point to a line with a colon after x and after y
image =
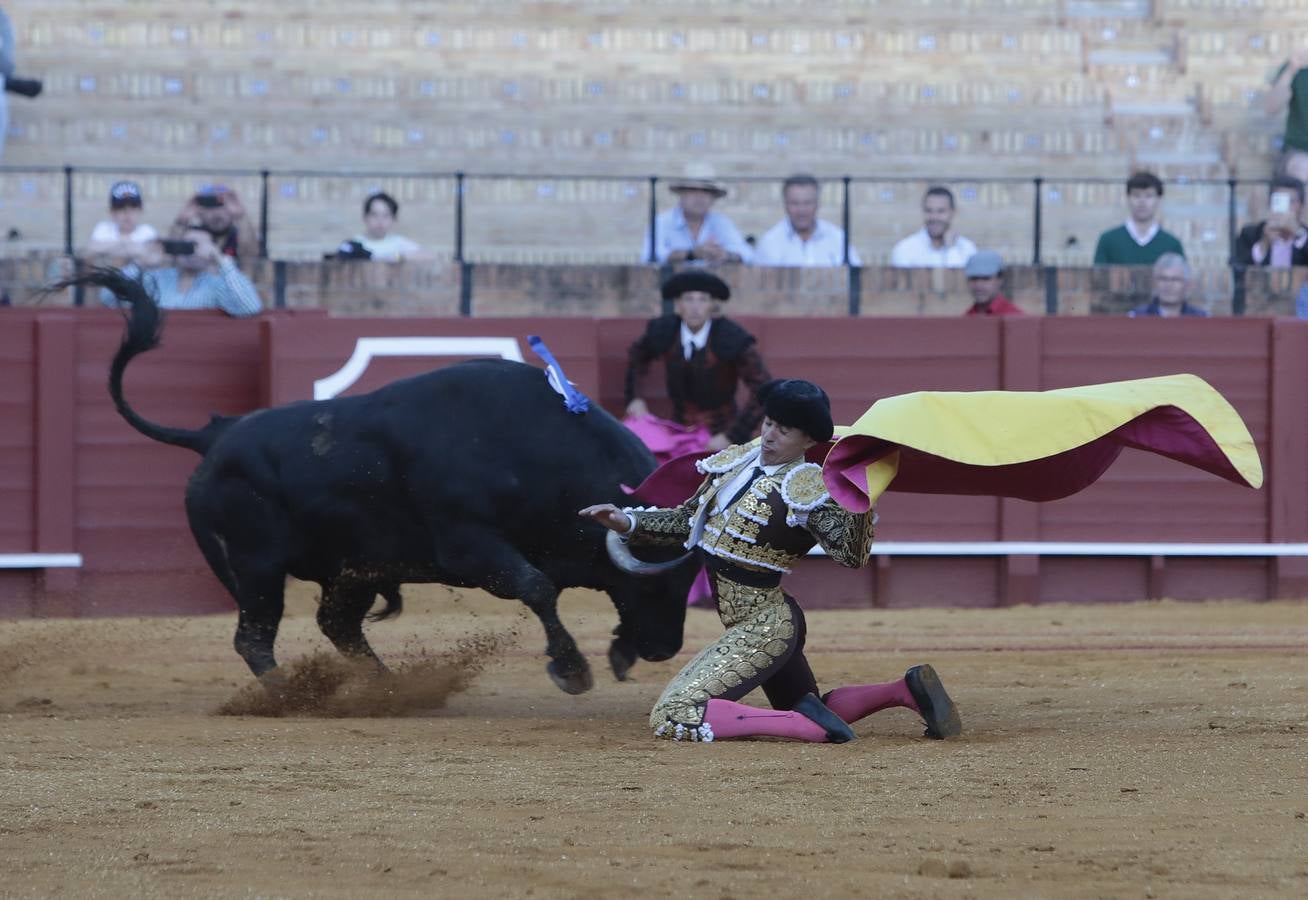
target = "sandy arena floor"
x: 1158, y: 750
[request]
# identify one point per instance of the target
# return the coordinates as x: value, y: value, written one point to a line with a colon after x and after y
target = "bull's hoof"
x: 576, y: 682
x: 275, y: 682
x: 622, y: 656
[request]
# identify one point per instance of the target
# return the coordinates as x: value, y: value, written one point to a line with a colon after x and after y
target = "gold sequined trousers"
x: 762, y: 647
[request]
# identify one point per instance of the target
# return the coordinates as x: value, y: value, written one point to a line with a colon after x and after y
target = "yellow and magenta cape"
x: 1032, y: 445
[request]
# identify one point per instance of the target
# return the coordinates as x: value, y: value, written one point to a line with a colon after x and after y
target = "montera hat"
x: 696, y: 280
x: 797, y: 403
x: 698, y: 176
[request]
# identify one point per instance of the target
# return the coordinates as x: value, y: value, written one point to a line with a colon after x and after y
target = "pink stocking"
x: 736, y: 720
x: 858, y: 701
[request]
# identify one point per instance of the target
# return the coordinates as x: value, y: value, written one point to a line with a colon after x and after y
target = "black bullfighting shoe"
x: 813, y: 709
x: 933, y: 703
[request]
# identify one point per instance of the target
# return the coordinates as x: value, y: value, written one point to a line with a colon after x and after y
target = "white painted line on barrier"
x: 368, y: 348
x: 1055, y: 548
x: 40, y: 560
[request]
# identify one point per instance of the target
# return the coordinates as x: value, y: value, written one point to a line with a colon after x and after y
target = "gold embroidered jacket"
x: 775, y: 522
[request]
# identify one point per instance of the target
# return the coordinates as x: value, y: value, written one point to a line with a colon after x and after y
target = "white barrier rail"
x: 40, y: 560
x: 1054, y: 548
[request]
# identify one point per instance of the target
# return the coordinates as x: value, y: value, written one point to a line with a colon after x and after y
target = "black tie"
x: 754, y: 476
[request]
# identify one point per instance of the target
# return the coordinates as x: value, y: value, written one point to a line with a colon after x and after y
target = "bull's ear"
x: 623, y: 559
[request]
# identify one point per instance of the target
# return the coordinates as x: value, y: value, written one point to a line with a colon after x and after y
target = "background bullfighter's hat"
x: 797, y: 403
x: 696, y: 280
x: 698, y: 176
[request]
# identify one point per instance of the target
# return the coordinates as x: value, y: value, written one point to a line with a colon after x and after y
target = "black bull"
x: 469, y: 476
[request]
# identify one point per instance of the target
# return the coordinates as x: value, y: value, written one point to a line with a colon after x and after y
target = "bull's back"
x: 502, y: 416
x: 486, y: 441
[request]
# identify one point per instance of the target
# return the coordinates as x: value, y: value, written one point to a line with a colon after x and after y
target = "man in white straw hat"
x: 691, y: 231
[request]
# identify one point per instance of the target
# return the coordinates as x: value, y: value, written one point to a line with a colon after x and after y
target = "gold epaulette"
x: 803, y: 488
x: 728, y: 459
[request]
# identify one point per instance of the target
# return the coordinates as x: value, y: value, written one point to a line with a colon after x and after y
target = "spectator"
x: 935, y: 246
x: 705, y: 359
x: 1281, y: 239
x: 1141, y: 241
x: 1301, y: 302
x: 223, y: 215
x: 380, y: 210
x: 201, y: 277
x: 1290, y: 90
x: 985, y: 279
x: 1172, y: 279
x: 123, y: 237
x: 801, y: 238
x: 691, y: 231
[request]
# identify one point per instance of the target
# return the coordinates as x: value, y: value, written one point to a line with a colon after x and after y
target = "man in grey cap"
x: 985, y: 279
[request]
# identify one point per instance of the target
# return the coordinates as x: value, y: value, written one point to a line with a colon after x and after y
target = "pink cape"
x: 666, y: 439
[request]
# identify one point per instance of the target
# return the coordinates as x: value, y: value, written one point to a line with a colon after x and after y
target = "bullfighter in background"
x: 705, y: 358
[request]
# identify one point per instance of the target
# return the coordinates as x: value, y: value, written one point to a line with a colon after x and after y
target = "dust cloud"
x: 326, y: 685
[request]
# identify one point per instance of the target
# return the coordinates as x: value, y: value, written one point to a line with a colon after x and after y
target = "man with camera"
x: 201, y: 276
x: 221, y: 213
x: 1281, y: 240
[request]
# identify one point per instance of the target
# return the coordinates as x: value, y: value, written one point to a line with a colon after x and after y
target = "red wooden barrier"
x: 75, y: 478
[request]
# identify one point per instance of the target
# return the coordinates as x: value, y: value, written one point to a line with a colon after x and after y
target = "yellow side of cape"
x: 999, y: 428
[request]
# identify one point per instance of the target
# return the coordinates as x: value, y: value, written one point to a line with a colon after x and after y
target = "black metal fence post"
x: 652, y: 256
x: 1037, y: 227
x: 458, y: 217
x: 279, y: 284
x: 1231, y: 231
x: 844, y: 213
x: 68, y: 210
x: 263, y: 213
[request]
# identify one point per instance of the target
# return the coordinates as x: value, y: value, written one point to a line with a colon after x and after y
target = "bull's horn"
x: 623, y: 559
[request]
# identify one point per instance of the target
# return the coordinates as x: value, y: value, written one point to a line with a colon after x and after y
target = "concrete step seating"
x: 977, y: 87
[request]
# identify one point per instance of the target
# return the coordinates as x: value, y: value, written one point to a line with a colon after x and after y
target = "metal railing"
x: 461, y: 181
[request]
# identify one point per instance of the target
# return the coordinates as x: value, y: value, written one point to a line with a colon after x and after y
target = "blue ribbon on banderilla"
x: 573, y: 399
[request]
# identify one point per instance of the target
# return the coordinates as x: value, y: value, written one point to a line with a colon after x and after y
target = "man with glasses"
x: 1172, y: 277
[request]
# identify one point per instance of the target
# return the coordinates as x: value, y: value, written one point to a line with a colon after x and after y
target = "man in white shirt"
x: 801, y: 238
x: 936, y: 246
x: 380, y: 211
x: 123, y: 238
x: 691, y: 231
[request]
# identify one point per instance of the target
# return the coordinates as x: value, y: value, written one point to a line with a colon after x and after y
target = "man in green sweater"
x: 1289, y: 91
x: 1141, y: 240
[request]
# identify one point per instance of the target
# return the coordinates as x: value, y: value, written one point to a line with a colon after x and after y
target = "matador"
x: 760, y: 507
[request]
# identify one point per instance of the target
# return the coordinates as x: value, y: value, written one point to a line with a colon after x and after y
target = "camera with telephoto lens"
x: 24, y: 87
x: 178, y: 248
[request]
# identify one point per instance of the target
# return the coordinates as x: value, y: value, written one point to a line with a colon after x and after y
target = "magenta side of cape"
x: 1165, y: 430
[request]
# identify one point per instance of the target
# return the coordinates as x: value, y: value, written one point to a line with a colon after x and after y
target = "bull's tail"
x: 143, y: 330
x: 394, y: 603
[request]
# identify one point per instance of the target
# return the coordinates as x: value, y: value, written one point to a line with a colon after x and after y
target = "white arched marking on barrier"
x: 40, y: 560
x: 365, y: 349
